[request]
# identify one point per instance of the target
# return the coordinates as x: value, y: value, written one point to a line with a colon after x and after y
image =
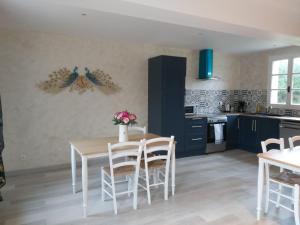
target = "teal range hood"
x: 206, y: 64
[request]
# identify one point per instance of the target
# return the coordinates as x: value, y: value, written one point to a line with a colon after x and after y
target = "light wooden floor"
x: 217, y: 189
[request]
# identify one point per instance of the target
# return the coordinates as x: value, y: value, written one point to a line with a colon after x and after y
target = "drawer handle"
x: 197, y: 126
x: 196, y: 139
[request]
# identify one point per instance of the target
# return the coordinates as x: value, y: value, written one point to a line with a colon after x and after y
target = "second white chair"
x: 157, y: 157
x: 283, y: 179
x: 124, y: 161
x: 292, y: 141
x: 134, y: 129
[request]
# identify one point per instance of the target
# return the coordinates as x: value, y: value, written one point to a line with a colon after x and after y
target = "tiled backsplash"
x: 207, y: 101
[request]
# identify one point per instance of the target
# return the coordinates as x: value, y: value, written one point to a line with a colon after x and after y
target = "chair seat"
x: 154, y: 164
x: 121, y: 171
x: 287, y: 178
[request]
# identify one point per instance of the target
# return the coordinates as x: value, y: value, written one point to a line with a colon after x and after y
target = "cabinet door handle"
x: 252, y: 125
x: 196, y: 139
x: 255, y: 125
x: 238, y: 123
x: 197, y: 126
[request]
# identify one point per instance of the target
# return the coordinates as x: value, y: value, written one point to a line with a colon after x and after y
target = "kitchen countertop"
x: 291, y: 118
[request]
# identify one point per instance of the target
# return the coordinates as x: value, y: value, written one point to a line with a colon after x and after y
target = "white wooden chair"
x: 124, y: 160
x: 157, y: 157
x: 292, y: 141
x: 134, y: 129
x: 284, y: 179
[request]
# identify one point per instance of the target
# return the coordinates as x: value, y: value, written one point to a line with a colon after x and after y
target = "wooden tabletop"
x: 291, y: 158
x: 89, y: 146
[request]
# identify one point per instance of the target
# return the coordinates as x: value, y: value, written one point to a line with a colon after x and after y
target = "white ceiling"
x: 123, y: 21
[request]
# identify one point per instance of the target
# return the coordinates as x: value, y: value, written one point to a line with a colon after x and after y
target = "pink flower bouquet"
x: 124, y: 118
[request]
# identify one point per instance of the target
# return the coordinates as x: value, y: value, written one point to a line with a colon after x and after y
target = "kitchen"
x: 214, y: 120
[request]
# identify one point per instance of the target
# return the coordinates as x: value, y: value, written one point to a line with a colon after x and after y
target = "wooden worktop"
x: 286, y: 157
x: 89, y: 146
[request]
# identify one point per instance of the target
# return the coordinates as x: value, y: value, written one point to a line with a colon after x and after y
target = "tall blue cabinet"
x: 166, y: 90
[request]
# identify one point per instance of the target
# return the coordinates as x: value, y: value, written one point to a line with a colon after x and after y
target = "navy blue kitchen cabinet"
x: 166, y: 90
x: 195, y: 136
x: 268, y: 128
x: 233, y: 124
x: 248, y: 136
x: 253, y: 130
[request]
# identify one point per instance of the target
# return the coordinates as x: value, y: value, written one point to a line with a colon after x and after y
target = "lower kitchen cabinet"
x: 195, y: 136
x: 247, y: 132
x: 232, y: 139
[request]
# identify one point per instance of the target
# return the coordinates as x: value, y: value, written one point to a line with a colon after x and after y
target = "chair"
x: 134, y: 129
x: 292, y: 141
x: 284, y: 179
x: 124, y: 160
x: 157, y: 157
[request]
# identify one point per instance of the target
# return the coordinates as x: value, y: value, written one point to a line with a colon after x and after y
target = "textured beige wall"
x: 39, y: 125
x: 254, y: 67
x: 226, y: 68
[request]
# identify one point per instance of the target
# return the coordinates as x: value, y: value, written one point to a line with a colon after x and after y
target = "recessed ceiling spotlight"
x: 83, y: 14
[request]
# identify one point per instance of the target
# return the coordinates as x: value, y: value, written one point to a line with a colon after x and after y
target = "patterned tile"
x: 207, y: 101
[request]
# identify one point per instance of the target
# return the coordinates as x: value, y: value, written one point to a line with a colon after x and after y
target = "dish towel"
x: 219, y: 136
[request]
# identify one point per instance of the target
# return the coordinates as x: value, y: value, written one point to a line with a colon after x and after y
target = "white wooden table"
x: 97, y: 148
x: 286, y: 160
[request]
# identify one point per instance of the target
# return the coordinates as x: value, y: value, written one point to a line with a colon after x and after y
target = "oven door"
x: 212, y: 146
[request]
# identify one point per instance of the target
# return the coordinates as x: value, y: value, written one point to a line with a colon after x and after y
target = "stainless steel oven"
x: 216, y: 133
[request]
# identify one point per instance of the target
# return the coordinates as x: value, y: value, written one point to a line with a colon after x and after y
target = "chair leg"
x: 135, y: 190
x: 167, y: 183
x: 114, y: 195
x: 267, y: 188
x: 155, y: 179
x: 296, y: 204
x: 148, y: 187
x: 129, y: 188
x: 279, y: 190
x: 278, y: 195
x: 102, y: 185
x: 267, y: 196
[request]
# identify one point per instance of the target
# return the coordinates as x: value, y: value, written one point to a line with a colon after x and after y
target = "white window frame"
x: 290, y: 58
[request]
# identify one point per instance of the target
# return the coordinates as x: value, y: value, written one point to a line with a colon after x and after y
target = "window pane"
x: 296, y: 97
x: 296, y: 65
x: 278, y: 96
x: 296, y: 81
x: 279, y: 82
x: 280, y: 67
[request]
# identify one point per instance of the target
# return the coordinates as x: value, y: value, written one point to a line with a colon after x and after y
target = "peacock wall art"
x: 72, y: 79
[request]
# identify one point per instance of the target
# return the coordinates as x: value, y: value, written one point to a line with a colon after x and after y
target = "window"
x: 285, y: 82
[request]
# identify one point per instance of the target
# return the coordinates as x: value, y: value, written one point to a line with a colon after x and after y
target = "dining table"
x: 91, y: 148
x: 286, y: 159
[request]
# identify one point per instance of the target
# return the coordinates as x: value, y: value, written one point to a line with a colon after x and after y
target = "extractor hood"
x: 206, y: 64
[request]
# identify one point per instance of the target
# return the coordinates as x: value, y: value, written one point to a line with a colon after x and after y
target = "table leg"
x: 73, y: 165
x: 173, y: 169
x: 260, y: 183
x: 84, y: 184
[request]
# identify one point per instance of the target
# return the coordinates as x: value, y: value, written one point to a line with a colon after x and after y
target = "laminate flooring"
x: 215, y: 189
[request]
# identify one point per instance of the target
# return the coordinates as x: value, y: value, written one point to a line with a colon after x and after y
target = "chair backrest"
x: 142, y: 130
x: 162, y: 145
x: 125, y: 154
x: 292, y: 141
x: 270, y: 141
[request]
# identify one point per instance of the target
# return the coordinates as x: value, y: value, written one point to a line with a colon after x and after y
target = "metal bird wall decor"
x: 64, y: 78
